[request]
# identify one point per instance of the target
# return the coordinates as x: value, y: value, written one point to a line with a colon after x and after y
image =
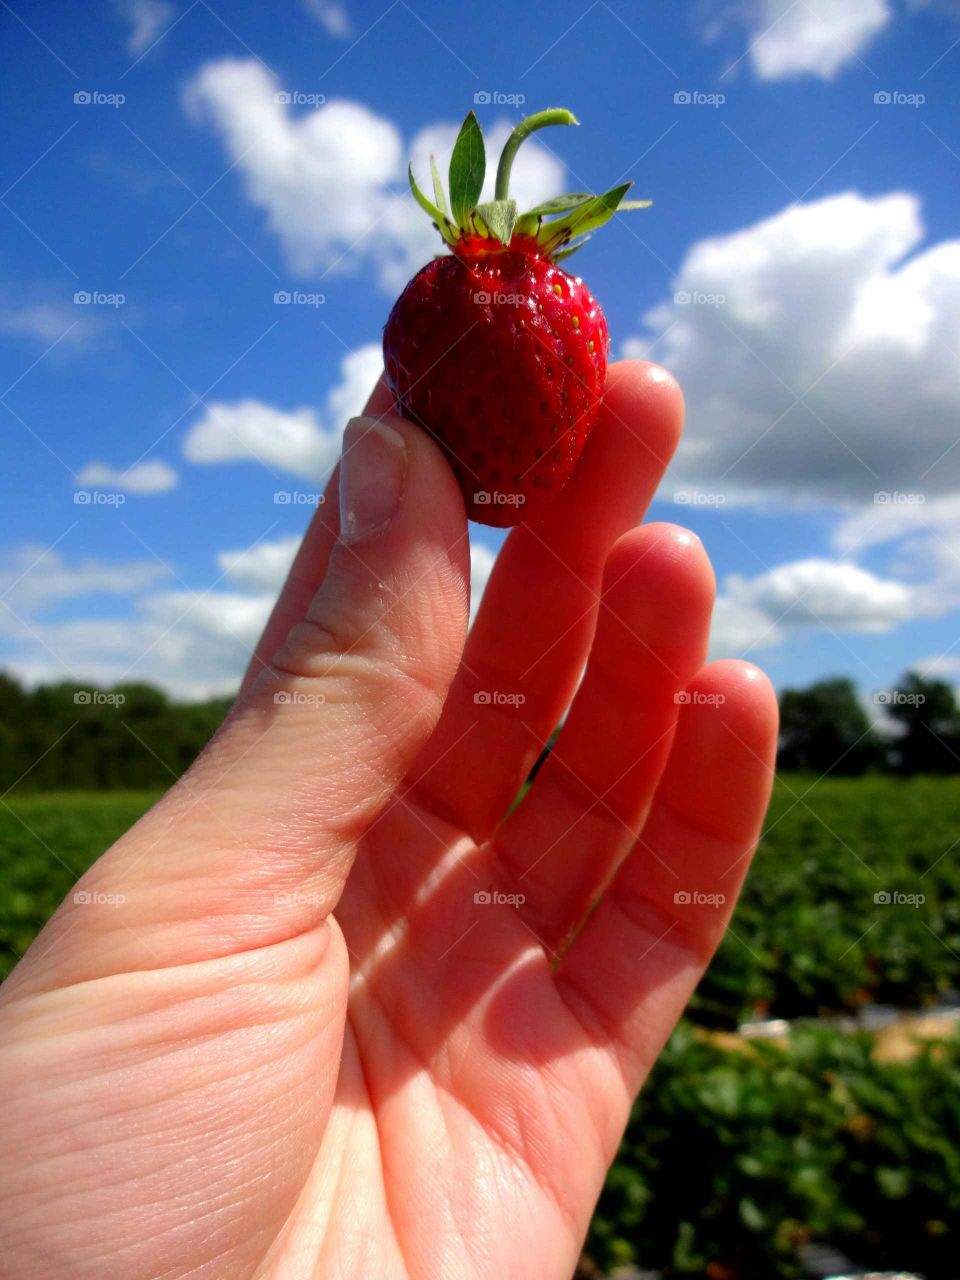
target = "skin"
x: 302, y: 1045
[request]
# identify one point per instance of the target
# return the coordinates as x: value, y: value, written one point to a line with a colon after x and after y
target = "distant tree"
x: 75, y: 736
x: 926, y: 711
x: 824, y: 729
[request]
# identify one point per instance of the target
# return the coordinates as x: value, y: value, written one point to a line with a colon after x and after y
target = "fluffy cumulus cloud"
x: 816, y: 349
x: 152, y: 476
x: 331, y: 178
x: 300, y: 441
x: 763, y: 611
x: 789, y: 38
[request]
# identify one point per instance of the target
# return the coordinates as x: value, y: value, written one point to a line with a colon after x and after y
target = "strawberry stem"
x: 539, y: 120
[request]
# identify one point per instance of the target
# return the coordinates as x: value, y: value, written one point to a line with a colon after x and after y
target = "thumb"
x: 255, y: 842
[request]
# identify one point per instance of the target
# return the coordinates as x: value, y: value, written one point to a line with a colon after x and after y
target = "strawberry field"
x: 741, y: 1153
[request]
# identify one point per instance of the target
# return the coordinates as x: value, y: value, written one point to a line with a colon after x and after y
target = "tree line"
x: 133, y: 735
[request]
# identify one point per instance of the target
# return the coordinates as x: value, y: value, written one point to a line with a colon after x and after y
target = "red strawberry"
x: 494, y: 349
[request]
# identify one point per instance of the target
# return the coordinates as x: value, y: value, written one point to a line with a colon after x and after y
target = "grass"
x: 46, y: 843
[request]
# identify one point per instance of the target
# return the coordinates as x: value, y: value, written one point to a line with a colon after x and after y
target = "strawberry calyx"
x: 556, y: 228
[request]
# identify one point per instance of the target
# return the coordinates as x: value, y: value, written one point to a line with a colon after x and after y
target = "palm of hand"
x: 225, y: 1079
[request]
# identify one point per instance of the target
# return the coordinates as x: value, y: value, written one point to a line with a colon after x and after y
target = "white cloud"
x: 146, y: 19
x: 790, y: 38
x: 331, y: 15
x: 193, y: 644
x: 262, y: 567
x: 819, y: 301
x: 153, y: 476
x: 250, y: 430
x: 49, y: 323
x: 32, y: 578
x: 331, y: 180
x: 299, y: 441
x: 764, y: 611
x: 823, y: 592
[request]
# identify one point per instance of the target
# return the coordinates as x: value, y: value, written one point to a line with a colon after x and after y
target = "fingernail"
x: 373, y: 467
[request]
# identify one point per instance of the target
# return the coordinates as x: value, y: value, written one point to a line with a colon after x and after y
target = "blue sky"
x: 810, y: 224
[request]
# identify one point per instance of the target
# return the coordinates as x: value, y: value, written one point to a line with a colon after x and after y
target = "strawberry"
x: 494, y: 348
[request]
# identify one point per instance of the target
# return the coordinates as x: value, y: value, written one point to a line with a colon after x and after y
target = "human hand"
x: 352, y: 1018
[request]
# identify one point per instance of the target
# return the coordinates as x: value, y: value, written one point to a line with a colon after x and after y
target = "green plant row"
x: 809, y: 936
x: 734, y: 1161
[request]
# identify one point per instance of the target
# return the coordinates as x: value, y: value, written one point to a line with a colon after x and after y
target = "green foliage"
x: 734, y: 1160
x: 46, y: 843
x: 824, y: 728
x: 69, y: 736
x: 808, y: 936
x: 926, y: 712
